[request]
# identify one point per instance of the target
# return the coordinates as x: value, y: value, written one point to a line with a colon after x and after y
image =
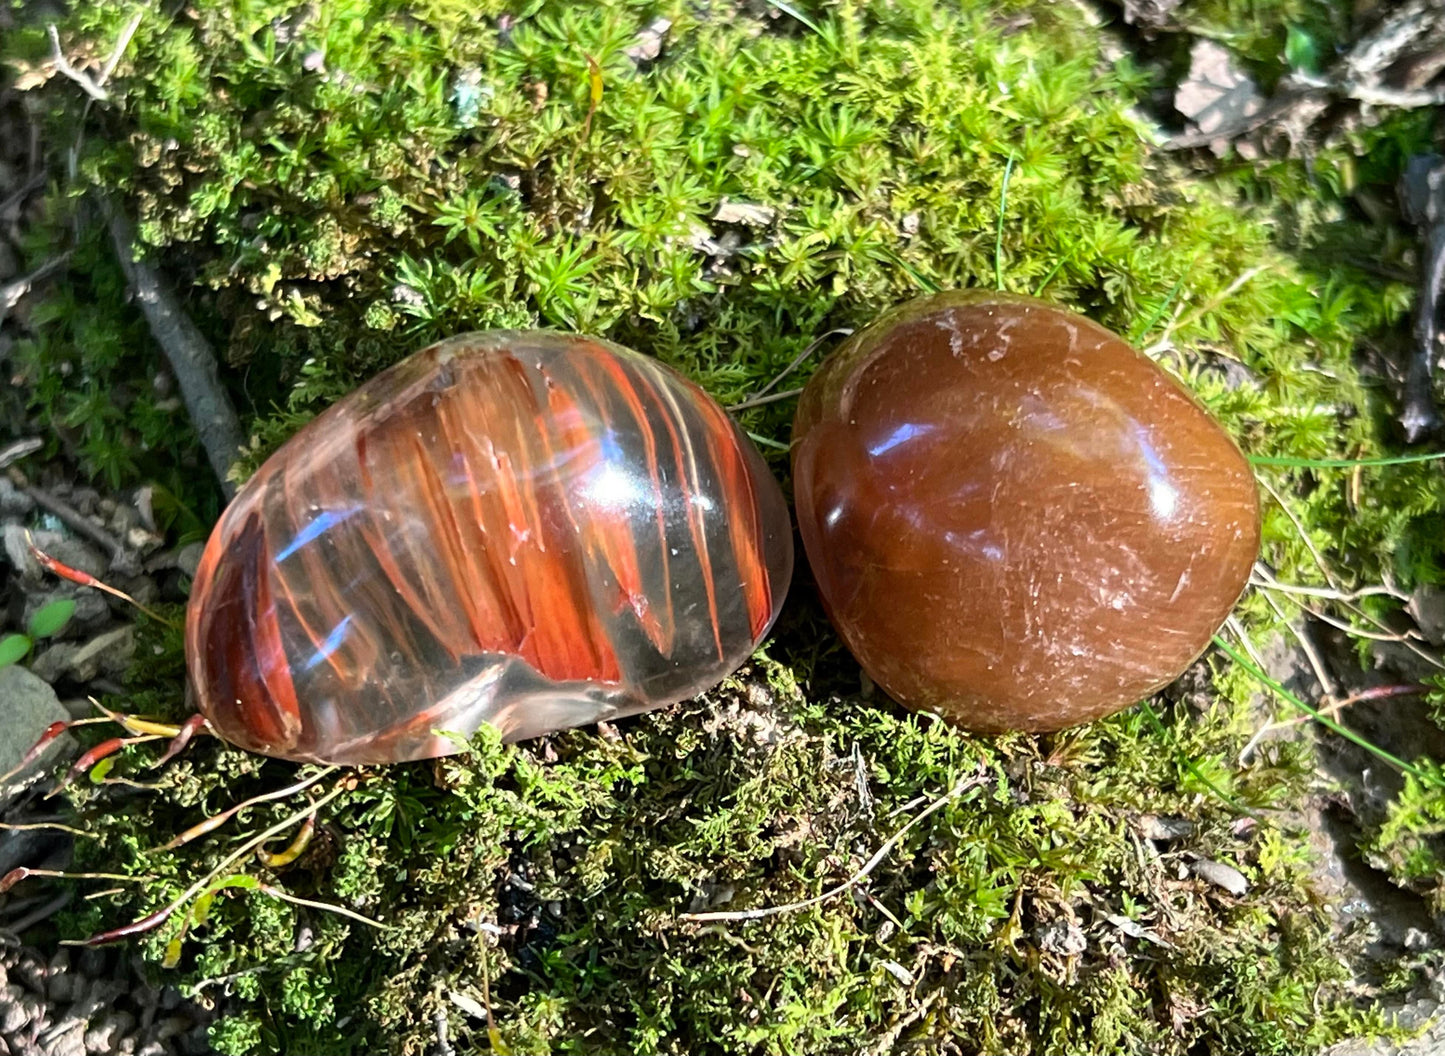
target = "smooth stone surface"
x: 522, y: 528
x: 1014, y: 518
x: 28, y: 705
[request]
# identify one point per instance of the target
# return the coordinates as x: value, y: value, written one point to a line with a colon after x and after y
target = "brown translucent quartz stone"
x: 1014, y: 518
x: 521, y: 528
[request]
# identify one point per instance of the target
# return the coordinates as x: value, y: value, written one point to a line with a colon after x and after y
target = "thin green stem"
x: 1159, y: 728
x: 789, y: 9
x: 1049, y: 275
x: 1319, y: 716
x: 1344, y: 463
x: 1159, y: 312
x: 998, y: 237
x: 766, y: 441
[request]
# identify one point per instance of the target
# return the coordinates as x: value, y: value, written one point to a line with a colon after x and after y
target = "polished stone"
x: 1015, y: 519
x: 527, y: 529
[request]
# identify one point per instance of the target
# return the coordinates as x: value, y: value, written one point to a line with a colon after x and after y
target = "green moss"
x: 338, y: 183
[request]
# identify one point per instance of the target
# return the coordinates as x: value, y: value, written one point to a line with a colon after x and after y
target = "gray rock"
x: 27, y: 706
x: 71, y: 1043
x: 92, y: 611
x: 1221, y: 875
x: 106, y: 1035
x: 1427, y: 606
x: 189, y: 559
x: 1217, y: 94
x: 13, y: 501
x: 52, y: 661
x: 13, y: 1013
x: 108, y: 653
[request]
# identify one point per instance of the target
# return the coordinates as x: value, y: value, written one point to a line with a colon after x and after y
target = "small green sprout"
x: 47, y: 622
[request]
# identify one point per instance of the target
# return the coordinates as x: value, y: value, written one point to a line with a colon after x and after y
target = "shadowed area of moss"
x: 335, y: 184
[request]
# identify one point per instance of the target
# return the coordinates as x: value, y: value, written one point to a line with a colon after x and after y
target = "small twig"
x: 187, y: 351
x: 998, y: 235
x: 1303, y: 534
x: 62, y: 65
x: 215, y: 821
x: 122, y: 42
x: 52, y: 825
x: 1232, y: 622
x: 244, y: 851
x: 1422, y: 195
x: 1374, y: 95
x: 1332, y: 710
x: 79, y: 521
x: 19, y: 449
x: 1266, y: 581
x: 961, y: 786
x: 26, y: 189
x: 772, y: 397
x: 1307, y: 644
x: 12, y: 292
x: 758, y: 398
x: 1182, y: 317
x: 325, y: 907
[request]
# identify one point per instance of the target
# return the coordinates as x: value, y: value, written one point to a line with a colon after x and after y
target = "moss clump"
x: 340, y: 182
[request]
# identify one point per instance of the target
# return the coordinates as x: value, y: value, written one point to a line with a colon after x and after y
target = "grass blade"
x: 1344, y: 463
x: 1319, y: 716
x: 998, y: 237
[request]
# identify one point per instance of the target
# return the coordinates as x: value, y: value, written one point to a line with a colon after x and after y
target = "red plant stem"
x: 85, y: 579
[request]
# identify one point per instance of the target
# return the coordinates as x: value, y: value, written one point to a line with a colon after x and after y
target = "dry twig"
x: 187, y: 351
x: 63, y: 66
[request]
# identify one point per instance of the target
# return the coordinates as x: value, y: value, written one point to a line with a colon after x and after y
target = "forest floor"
x: 1246, y: 190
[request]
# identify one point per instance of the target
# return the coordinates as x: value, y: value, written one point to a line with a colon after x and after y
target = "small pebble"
x: 13, y: 1015
x: 105, y: 1036
x: 71, y: 1043
x: 14, y: 502
x: 1221, y: 875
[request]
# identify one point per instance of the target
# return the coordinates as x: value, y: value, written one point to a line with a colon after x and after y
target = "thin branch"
x: 759, y: 401
x: 961, y: 786
x: 215, y: 821
x: 1312, y: 654
x: 187, y: 351
x: 276, y: 892
x: 1332, y: 710
x: 1268, y: 582
x: 25, y: 190
x: 1303, y: 534
x: 62, y: 65
x: 19, y: 449
x: 756, y: 400
x: 121, y: 44
x: 79, y: 521
x: 200, y: 885
x: 1181, y: 317
x: 1386, y: 635
x: 11, y: 292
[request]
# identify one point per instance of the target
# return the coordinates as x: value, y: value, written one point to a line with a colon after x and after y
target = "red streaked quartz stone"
x: 522, y: 528
x: 1014, y: 518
